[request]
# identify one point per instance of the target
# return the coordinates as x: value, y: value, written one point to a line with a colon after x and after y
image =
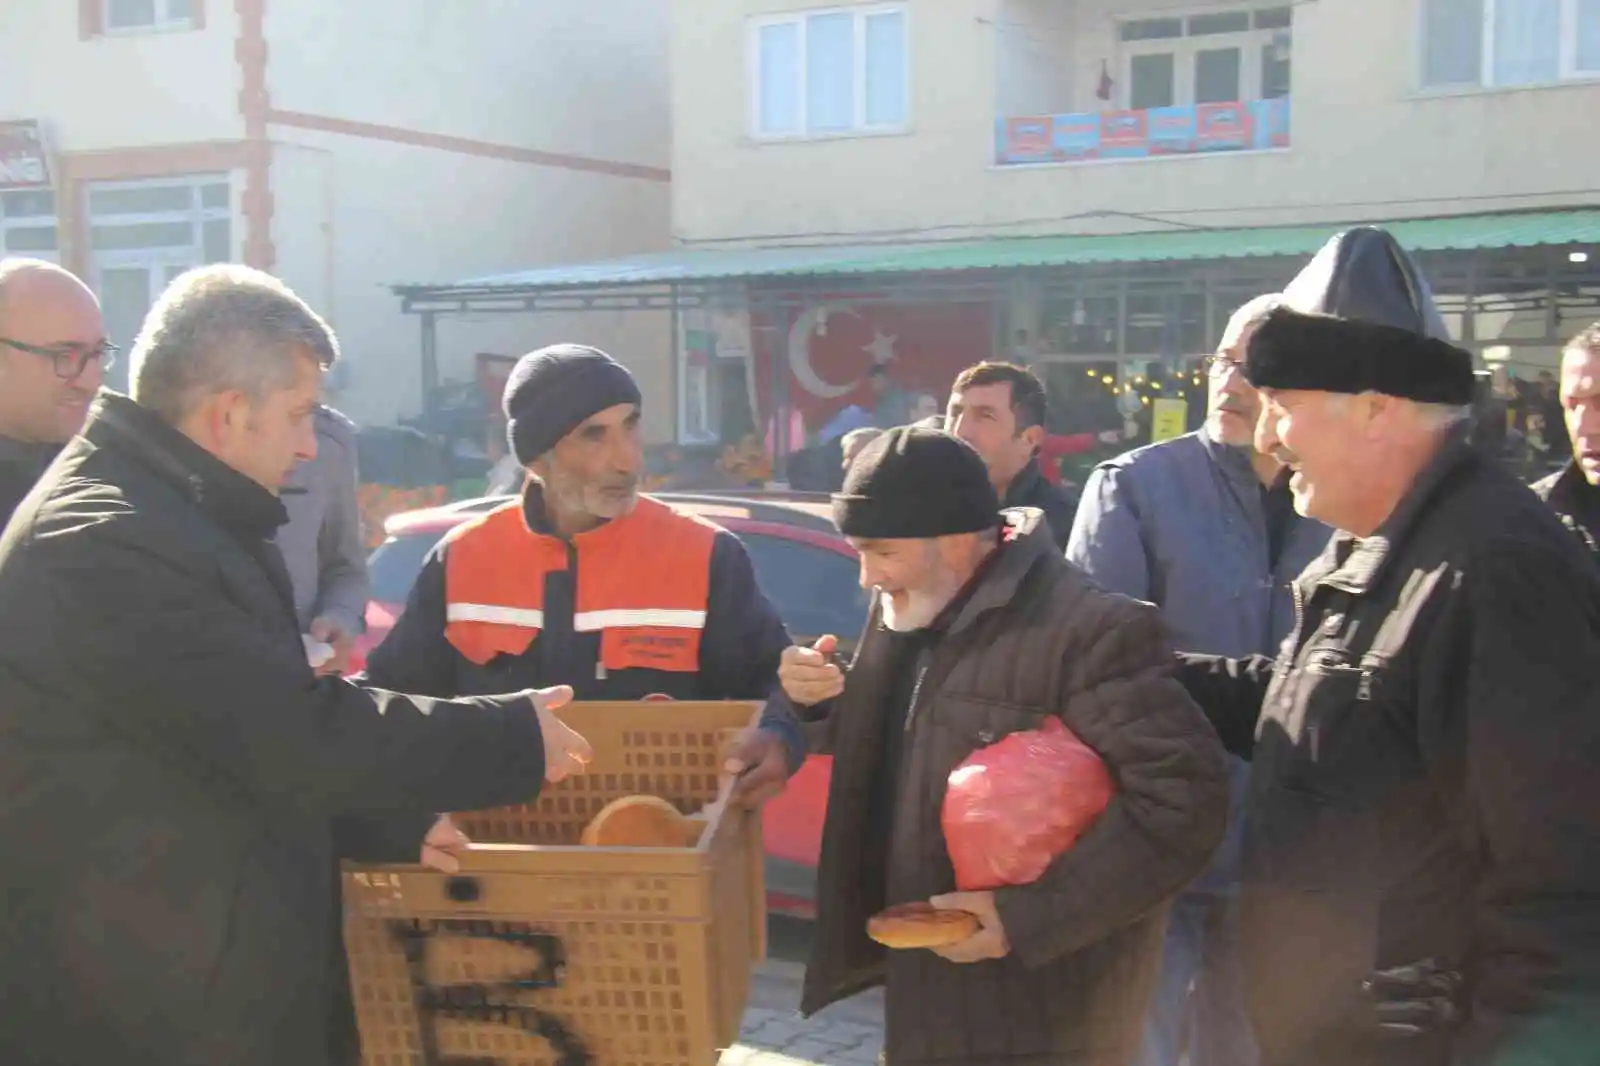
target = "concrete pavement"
x: 846, y: 1034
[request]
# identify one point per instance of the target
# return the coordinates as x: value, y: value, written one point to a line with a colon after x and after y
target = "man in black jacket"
x: 178, y: 783
x: 1424, y: 845
x: 998, y: 408
x: 1573, y: 493
x: 53, y: 354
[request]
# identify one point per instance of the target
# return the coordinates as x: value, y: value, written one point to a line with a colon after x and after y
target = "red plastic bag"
x: 1014, y: 806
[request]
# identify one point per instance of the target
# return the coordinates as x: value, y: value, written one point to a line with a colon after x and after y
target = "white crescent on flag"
x: 805, y: 324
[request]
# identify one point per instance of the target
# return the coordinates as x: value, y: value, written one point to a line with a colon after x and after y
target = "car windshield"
x: 394, y: 564
x: 814, y: 590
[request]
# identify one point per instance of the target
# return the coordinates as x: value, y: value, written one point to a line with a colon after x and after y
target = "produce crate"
x: 542, y: 953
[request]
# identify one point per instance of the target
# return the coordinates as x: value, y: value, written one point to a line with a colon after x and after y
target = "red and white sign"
x: 828, y: 348
x: 24, y: 163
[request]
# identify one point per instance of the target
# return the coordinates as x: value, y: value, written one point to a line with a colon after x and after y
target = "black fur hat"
x: 1360, y: 318
x: 1292, y: 350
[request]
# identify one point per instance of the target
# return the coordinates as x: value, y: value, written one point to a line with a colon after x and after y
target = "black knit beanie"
x: 551, y: 391
x: 915, y: 483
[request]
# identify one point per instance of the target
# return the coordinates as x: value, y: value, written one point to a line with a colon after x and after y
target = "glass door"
x: 127, y: 286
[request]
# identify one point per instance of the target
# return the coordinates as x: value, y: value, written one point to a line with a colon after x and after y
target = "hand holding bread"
x: 959, y: 927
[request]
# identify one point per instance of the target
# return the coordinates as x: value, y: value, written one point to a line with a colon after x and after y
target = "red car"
x: 805, y: 567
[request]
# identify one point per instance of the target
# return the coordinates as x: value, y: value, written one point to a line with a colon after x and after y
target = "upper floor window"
x: 1496, y: 43
x: 125, y: 16
x: 28, y: 224
x: 1220, y: 57
x: 829, y: 72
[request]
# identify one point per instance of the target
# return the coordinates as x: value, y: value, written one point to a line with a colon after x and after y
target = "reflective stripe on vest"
x: 643, y: 582
x: 594, y: 621
x: 486, y: 612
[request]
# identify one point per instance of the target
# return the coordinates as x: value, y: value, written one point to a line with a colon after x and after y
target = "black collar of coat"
x: 1567, y: 488
x: 27, y: 456
x: 230, y: 498
x: 1574, y: 501
x: 1355, y: 564
x: 1022, y: 545
x: 1025, y: 486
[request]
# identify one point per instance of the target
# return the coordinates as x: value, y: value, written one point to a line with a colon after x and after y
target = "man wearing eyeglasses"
x: 1204, y: 526
x: 53, y: 355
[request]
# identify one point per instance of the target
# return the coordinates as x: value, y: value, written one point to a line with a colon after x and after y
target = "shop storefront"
x: 772, y: 345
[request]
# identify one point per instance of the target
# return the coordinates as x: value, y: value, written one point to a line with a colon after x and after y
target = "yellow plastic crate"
x: 543, y: 953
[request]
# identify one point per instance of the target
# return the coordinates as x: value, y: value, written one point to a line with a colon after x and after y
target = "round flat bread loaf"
x: 641, y: 822
x: 920, y: 925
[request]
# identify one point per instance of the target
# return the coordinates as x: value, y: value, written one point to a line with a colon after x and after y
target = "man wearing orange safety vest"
x: 584, y: 582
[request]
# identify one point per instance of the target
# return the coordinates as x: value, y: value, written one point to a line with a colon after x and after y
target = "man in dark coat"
x: 53, y: 354
x: 999, y: 409
x: 178, y: 784
x: 1424, y: 833
x: 982, y: 629
x: 1573, y: 493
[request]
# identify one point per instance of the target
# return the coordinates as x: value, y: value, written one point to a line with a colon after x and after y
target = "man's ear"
x: 1034, y: 435
x: 1377, y: 412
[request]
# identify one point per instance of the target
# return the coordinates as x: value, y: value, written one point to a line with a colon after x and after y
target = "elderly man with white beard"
x: 982, y: 629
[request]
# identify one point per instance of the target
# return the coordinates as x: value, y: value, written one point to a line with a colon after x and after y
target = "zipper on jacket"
x: 916, y: 693
x: 1299, y: 616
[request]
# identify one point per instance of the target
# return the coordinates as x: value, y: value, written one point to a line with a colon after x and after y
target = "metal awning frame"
x: 776, y: 292
x: 1458, y: 278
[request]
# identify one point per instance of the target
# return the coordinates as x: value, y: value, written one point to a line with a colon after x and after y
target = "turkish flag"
x: 827, y: 350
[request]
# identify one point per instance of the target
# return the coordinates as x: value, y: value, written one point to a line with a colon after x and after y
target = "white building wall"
x: 356, y: 212
x: 1366, y: 141
x: 118, y: 91
x: 411, y: 141
x: 354, y: 216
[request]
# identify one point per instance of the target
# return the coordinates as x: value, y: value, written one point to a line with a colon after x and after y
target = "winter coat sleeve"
x: 381, y: 838
x: 1170, y: 806
x: 343, y: 586
x: 1107, y: 541
x: 743, y: 641
x: 1509, y: 724
x: 415, y: 656
x: 210, y: 683
x: 1229, y: 692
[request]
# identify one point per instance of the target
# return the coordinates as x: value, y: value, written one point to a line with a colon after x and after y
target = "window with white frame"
x: 1217, y: 57
x: 142, y: 234
x: 1504, y: 43
x: 28, y: 224
x: 123, y: 16
x: 821, y: 73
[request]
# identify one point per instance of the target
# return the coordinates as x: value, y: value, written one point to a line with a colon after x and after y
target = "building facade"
x: 1092, y: 186
x: 343, y: 147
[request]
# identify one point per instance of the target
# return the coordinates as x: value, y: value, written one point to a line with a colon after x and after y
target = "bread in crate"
x: 544, y: 951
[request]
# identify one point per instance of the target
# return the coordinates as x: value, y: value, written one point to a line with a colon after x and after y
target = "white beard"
x: 919, y: 613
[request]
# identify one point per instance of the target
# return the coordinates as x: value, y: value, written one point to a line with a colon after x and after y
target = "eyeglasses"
x: 1217, y: 365
x: 69, y: 360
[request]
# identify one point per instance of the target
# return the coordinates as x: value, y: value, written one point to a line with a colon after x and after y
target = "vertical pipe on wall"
x: 430, y: 369
x: 675, y: 378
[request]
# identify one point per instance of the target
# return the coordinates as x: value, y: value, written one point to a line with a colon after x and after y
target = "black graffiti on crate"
x: 495, y: 1001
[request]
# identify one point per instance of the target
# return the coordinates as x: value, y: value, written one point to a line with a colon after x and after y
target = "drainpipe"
x: 430, y: 371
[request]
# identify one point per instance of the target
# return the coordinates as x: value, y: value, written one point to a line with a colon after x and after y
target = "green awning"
x: 1455, y: 233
